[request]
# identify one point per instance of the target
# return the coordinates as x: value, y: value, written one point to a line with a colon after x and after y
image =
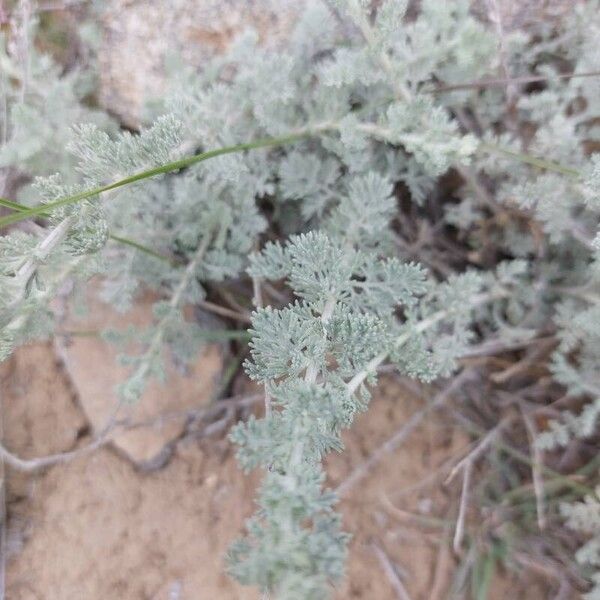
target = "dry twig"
x: 391, y: 572
x: 508, y: 81
x: 462, y: 510
x: 466, y: 465
x: 393, y: 442
x: 113, y: 426
x: 442, y: 567
x: 223, y: 311
x: 538, y: 481
x: 477, y: 451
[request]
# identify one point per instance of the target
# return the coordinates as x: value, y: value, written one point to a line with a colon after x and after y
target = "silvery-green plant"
x: 584, y: 516
x: 41, y: 102
x: 306, y: 145
x: 315, y: 358
x: 561, y: 192
x: 208, y: 216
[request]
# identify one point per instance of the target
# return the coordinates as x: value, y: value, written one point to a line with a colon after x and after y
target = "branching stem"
x: 161, y: 326
x: 170, y: 167
x: 422, y: 326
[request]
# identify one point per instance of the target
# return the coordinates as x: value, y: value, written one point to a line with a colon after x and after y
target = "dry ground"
x: 97, y: 528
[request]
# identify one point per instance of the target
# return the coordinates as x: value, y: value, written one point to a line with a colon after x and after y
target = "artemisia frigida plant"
x: 300, y: 150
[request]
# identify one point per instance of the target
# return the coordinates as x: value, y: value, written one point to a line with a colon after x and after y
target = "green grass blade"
x: 12, y: 205
x: 483, y: 575
x: 142, y: 248
x: 540, y: 163
x: 161, y: 170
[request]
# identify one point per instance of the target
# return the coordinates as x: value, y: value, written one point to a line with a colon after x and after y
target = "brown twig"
x: 462, y: 510
x: 482, y: 193
x: 110, y: 429
x: 442, y: 565
x: 532, y: 358
x: 223, y: 311
x: 405, y: 515
x: 35, y: 464
x: 505, y: 81
x: 393, y: 442
x: 492, y: 347
x: 229, y: 297
x: 536, y: 461
x: 391, y: 572
x: 466, y: 465
x: 477, y: 451
x: 571, y: 482
x: 436, y: 474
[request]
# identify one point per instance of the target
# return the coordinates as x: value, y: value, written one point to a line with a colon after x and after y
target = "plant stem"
x: 19, y: 320
x: 12, y: 205
x: 403, y: 93
x: 176, y: 165
x: 21, y: 213
x: 157, y: 338
x: 540, y: 163
x: 122, y: 240
x: 142, y: 248
x: 26, y: 272
x: 422, y: 326
x: 523, y: 458
x: 505, y: 81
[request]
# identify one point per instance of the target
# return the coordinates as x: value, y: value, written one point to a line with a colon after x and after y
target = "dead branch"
x: 391, y: 572
x: 393, y: 442
x: 112, y: 427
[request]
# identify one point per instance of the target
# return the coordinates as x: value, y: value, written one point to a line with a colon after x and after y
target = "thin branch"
x: 442, y: 566
x: 538, y: 480
x: 28, y: 269
x: 422, y: 326
x: 495, y: 16
x: 223, y: 311
x: 477, y: 451
x: 45, y: 295
x: 231, y: 300
x: 58, y: 6
x: 176, y: 165
x: 466, y: 465
x: 157, y: 338
x: 113, y: 426
x: 531, y: 359
x: 507, y: 81
x: 144, y: 249
x: 462, y: 511
x: 391, y: 573
x: 257, y: 300
x: 572, y: 484
x: 404, y: 515
x: 485, y: 197
x: 492, y: 347
x: 34, y: 464
x: 393, y: 442
x: 540, y: 163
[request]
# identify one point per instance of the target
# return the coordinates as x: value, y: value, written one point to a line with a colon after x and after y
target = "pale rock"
x: 39, y: 411
x: 138, y: 37
x: 160, y: 413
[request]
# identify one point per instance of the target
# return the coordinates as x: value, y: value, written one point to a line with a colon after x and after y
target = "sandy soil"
x: 97, y: 528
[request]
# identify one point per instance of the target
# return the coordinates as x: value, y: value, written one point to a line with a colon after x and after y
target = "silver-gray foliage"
x: 355, y: 86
